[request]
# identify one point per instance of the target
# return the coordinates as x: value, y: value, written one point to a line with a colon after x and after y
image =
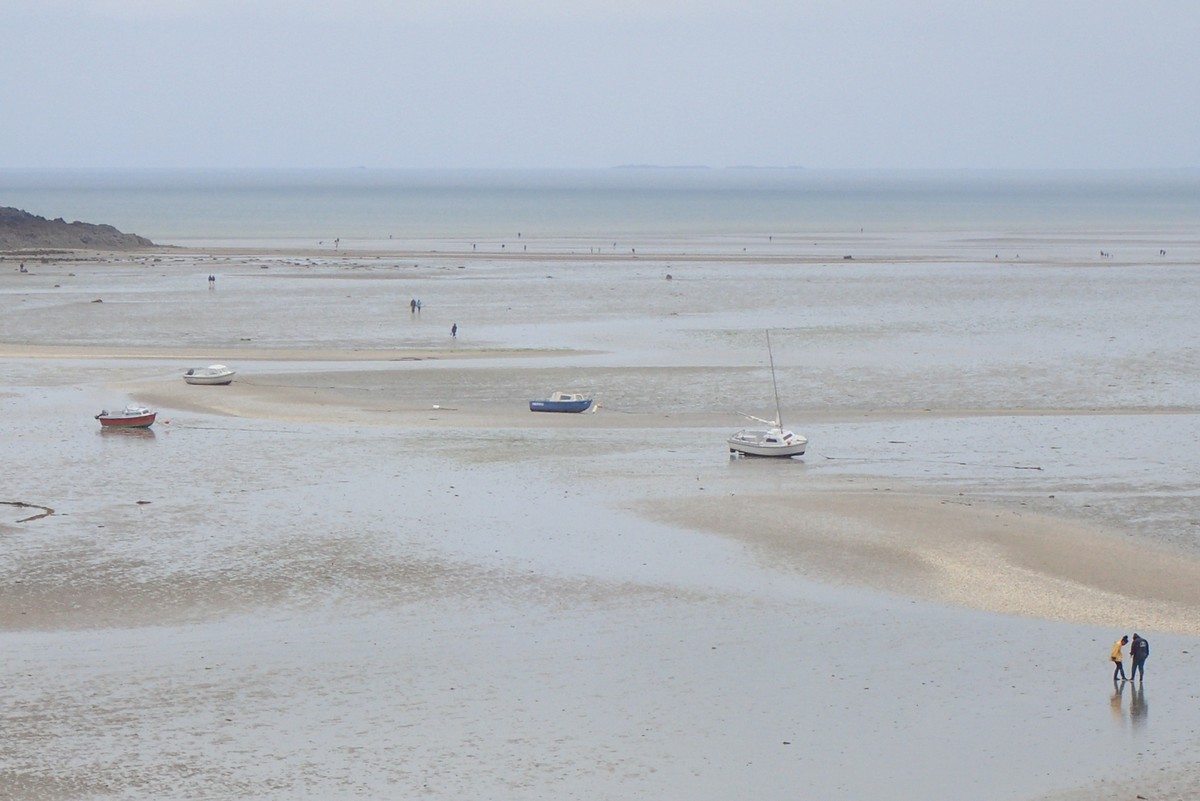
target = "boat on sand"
x: 132, y: 416
x: 562, y: 402
x: 211, y: 375
x: 774, y: 440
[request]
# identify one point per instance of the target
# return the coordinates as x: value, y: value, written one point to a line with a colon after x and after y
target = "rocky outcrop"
x: 20, y: 230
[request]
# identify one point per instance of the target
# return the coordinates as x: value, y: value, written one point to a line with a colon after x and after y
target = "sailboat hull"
x: 768, y: 442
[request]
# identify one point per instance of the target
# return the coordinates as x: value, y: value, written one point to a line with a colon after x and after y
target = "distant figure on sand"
x: 1138, y: 651
x: 454, y: 330
x: 412, y: 306
x: 1119, y: 658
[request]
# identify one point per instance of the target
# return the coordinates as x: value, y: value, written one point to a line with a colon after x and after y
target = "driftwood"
x: 46, y: 510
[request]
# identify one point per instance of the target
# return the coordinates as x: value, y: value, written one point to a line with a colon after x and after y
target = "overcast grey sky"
x: 538, y: 83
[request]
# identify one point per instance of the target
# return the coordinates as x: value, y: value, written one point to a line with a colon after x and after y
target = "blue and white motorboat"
x: 562, y: 402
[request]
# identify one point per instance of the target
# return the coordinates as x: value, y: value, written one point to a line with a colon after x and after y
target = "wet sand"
x: 918, y: 542
x: 366, y: 568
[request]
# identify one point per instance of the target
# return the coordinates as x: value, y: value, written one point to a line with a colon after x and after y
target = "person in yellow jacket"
x: 1119, y: 658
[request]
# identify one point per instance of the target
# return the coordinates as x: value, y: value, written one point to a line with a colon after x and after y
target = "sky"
x: 1003, y: 84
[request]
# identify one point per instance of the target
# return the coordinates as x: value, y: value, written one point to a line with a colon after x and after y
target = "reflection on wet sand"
x: 129, y: 433
x: 1139, y: 710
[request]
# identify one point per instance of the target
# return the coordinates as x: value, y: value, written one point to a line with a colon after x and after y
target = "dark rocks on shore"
x: 20, y: 229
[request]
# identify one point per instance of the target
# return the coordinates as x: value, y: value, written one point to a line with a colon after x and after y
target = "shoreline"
x: 850, y: 248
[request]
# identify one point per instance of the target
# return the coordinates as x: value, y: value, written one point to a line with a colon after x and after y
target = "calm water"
x: 170, y: 206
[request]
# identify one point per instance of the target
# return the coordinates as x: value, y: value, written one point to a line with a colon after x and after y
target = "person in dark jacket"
x: 1138, y: 651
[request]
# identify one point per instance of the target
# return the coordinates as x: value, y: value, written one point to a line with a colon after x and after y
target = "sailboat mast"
x: 774, y: 385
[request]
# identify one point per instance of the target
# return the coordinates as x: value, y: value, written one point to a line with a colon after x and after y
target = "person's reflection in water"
x: 1116, y: 702
x: 1139, y: 710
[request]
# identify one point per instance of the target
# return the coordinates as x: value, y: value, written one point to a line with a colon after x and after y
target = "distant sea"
x: 190, y: 206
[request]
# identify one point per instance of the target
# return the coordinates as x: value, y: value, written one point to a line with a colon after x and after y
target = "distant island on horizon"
x: 703, y: 167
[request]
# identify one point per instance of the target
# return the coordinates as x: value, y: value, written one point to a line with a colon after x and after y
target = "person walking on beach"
x: 454, y: 330
x: 1119, y: 658
x: 1138, y: 651
x: 412, y: 306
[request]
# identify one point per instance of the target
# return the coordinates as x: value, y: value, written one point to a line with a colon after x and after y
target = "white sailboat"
x: 774, y: 440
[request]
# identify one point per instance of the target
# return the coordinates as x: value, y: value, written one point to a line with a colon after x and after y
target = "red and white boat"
x: 132, y: 416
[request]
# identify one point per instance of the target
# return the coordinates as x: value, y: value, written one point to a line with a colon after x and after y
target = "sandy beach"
x: 365, y: 569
